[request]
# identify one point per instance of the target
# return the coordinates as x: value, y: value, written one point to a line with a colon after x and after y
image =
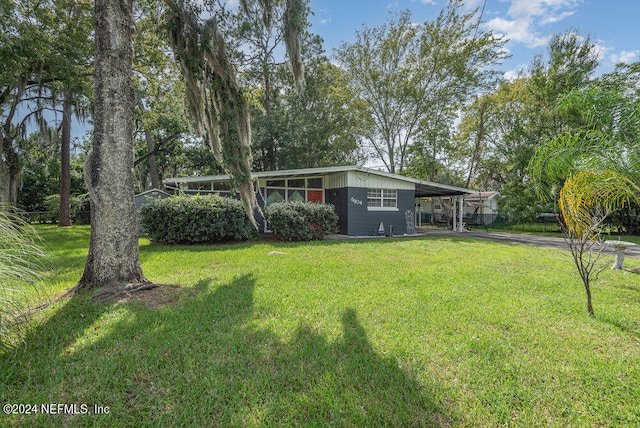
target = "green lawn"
x: 440, y: 331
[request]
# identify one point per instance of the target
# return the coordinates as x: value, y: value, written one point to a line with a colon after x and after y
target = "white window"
x: 382, y: 199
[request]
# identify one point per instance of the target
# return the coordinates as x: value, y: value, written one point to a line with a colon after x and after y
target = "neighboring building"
x: 482, y: 203
x: 141, y: 199
x: 482, y: 207
x: 363, y: 198
x: 435, y: 210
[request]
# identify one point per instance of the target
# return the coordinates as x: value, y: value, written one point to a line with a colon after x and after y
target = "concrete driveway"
x: 522, y: 239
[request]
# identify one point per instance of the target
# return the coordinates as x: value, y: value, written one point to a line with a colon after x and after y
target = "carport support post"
x: 453, y: 212
x: 460, y: 208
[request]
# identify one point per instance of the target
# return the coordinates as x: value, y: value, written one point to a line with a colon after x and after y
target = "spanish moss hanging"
x: 214, y: 99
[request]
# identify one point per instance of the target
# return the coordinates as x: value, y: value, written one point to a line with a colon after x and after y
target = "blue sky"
x: 612, y: 24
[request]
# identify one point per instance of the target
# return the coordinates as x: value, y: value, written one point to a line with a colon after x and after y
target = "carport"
x: 428, y: 189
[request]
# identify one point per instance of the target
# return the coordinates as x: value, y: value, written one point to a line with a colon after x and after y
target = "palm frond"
x: 589, y: 193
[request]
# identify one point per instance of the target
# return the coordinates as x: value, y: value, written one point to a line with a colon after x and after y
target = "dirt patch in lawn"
x: 153, y: 295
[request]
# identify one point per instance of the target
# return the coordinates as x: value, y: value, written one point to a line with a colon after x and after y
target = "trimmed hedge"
x: 195, y: 219
x: 301, y: 221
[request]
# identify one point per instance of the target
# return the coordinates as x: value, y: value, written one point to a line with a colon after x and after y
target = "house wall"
x: 339, y: 198
x: 347, y: 191
x: 490, y: 207
x: 493, y: 206
x: 362, y: 179
x: 362, y: 221
x: 438, y: 207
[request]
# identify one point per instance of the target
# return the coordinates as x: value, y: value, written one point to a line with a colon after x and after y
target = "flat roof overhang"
x: 423, y: 189
x: 426, y: 189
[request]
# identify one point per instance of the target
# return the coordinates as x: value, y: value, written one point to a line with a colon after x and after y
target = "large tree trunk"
x: 476, y: 148
x: 64, y: 217
x: 271, y: 161
x: 5, y: 180
x: 113, y: 259
x: 10, y: 170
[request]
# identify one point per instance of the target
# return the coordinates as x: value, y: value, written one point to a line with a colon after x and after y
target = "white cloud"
x: 472, y: 4
x: 540, y: 8
x: 550, y: 19
x: 524, y: 17
x: 518, y: 30
x: 600, y: 50
x: 625, y: 56
x: 431, y: 2
x: 323, y: 16
x: 511, y: 75
x: 543, y: 12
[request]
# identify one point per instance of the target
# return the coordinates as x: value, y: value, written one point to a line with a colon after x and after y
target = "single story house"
x: 482, y: 203
x: 364, y: 199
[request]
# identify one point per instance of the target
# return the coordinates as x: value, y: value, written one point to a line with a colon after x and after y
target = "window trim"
x: 381, y: 199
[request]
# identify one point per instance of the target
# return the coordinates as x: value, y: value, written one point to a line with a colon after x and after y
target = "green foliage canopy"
x: 408, y: 79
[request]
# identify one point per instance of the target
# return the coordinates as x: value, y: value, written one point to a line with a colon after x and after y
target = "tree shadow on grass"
x: 347, y: 382
x: 213, y: 360
x: 36, y: 370
x: 627, y: 325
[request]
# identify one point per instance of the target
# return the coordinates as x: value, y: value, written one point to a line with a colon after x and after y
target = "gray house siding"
x: 338, y: 198
x: 363, y: 222
x: 142, y: 198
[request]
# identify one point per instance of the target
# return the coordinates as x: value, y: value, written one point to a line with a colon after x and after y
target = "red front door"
x: 315, y: 196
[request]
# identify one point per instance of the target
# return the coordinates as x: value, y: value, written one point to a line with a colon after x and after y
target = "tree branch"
x: 157, y: 147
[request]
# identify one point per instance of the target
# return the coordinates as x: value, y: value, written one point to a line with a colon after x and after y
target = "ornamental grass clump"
x: 19, y: 265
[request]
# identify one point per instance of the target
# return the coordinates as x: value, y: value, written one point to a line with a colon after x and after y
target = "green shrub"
x: 79, y: 209
x: 626, y: 220
x: 300, y: 221
x: 195, y: 219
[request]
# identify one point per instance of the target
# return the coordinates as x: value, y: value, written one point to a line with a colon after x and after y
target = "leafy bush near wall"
x: 300, y: 221
x: 195, y: 219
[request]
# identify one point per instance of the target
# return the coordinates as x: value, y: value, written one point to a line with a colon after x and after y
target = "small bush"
x: 195, y: 219
x: 79, y: 209
x: 300, y: 221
